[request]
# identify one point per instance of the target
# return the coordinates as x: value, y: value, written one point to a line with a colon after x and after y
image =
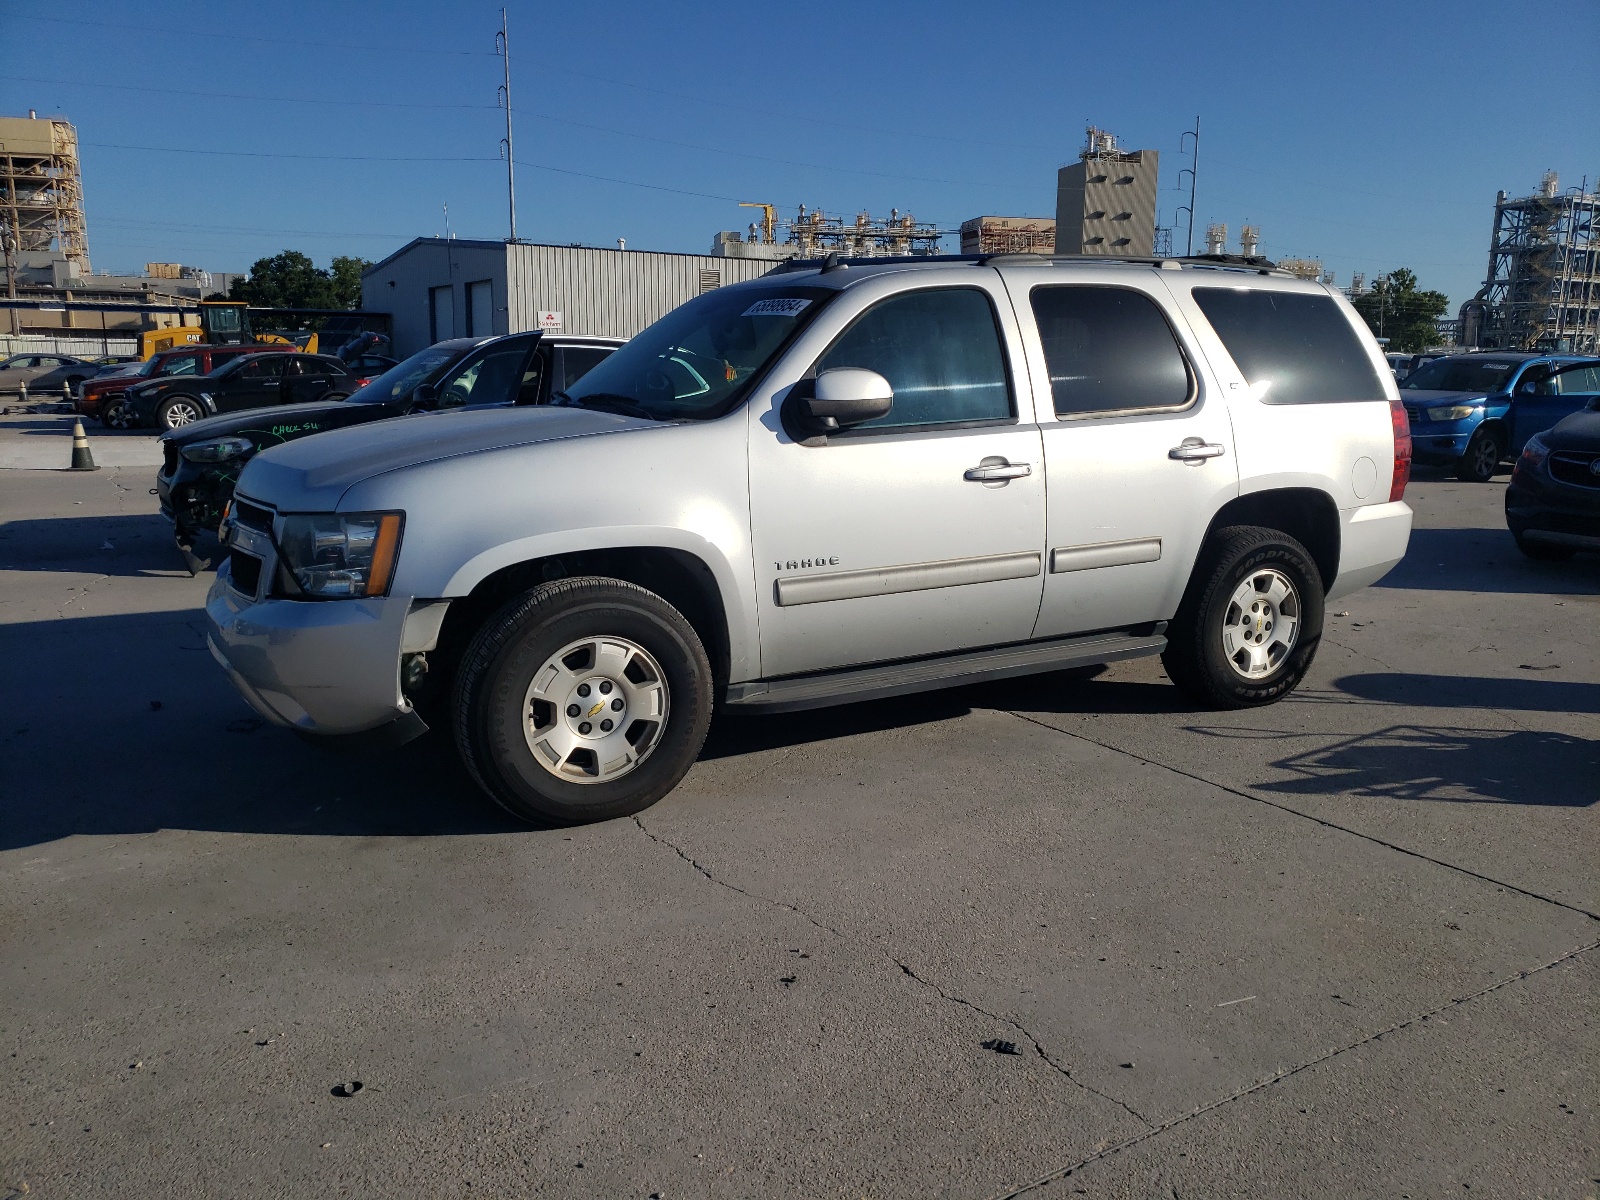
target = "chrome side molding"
x: 1105, y: 554
x: 913, y: 577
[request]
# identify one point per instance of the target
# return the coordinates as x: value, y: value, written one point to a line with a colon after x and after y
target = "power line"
x: 363, y: 47
x: 128, y: 87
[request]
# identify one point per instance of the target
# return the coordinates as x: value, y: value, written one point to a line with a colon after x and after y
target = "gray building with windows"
x: 1106, y: 201
x: 438, y: 288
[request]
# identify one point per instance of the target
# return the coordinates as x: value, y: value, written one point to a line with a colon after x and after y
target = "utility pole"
x: 1193, y: 171
x: 502, y: 46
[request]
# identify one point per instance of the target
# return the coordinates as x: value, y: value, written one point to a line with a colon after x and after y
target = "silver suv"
x: 834, y: 483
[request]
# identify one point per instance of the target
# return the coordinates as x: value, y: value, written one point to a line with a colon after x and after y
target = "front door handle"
x: 996, y: 471
x: 1195, y: 450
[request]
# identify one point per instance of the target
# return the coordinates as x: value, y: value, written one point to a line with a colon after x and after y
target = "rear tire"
x: 522, y: 698
x: 1482, y: 458
x: 1251, y: 620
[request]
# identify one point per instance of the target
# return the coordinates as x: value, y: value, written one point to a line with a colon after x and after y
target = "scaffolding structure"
x: 1008, y: 235
x: 815, y: 234
x: 1543, y: 288
x: 41, y: 189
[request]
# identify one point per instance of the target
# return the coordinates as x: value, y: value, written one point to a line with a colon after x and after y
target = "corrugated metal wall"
x: 613, y: 293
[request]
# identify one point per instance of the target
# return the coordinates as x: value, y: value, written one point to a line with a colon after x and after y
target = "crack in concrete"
x: 1038, y: 1046
x: 61, y: 612
x: 1292, y: 811
x: 1279, y: 1076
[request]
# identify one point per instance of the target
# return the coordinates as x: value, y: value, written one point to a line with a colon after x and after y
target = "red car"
x: 101, y: 396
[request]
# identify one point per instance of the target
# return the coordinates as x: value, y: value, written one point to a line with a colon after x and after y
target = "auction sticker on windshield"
x: 775, y: 308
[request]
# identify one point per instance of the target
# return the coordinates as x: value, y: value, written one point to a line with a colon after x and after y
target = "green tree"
x: 345, y: 278
x: 1397, y: 310
x: 292, y: 280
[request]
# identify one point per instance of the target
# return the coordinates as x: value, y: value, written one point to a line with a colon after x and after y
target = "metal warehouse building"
x: 439, y: 288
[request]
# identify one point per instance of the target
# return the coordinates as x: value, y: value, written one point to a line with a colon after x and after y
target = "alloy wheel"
x: 1261, y: 624
x: 595, y: 709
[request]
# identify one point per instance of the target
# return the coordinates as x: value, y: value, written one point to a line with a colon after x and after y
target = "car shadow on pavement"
x: 126, y: 545
x: 1487, y: 560
x: 1449, y: 764
x: 1472, y: 691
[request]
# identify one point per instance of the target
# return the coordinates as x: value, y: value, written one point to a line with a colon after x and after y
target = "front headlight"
x: 1534, y: 453
x: 1453, y: 412
x: 217, y: 450
x: 336, y: 555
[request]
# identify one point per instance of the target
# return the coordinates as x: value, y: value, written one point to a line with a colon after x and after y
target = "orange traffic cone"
x: 82, y: 460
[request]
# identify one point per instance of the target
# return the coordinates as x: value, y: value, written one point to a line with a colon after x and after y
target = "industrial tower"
x: 1543, y: 289
x: 41, y: 189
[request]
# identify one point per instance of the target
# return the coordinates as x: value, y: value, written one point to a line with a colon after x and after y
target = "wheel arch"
x: 681, y: 578
x: 1307, y: 514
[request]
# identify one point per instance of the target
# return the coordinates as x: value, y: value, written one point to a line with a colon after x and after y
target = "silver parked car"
x: 836, y: 483
x: 44, y: 373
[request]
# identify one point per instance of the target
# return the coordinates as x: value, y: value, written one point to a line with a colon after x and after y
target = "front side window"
x: 402, y: 378
x: 492, y: 378
x: 262, y: 368
x: 1291, y: 347
x: 188, y: 364
x: 939, y: 350
x: 699, y: 360
x: 1108, y: 350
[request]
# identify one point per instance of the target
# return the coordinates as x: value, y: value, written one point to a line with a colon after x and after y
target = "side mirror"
x: 1527, y: 387
x: 845, y: 396
x: 425, y: 396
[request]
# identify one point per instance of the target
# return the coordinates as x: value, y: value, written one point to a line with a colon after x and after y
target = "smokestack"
x: 1549, y: 185
x: 1249, y: 239
x: 1216, y: 239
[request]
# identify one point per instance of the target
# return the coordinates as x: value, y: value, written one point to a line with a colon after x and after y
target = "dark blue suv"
x: 1474, y: 411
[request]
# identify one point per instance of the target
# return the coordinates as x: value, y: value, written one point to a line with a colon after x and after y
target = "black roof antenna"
x: 834, y: 262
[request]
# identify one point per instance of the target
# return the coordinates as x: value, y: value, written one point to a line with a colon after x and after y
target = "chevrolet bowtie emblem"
x: 597, y: 708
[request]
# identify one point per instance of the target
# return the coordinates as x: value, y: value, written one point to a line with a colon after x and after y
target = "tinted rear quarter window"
x: 1300, y: 346
x: 1108, y: 350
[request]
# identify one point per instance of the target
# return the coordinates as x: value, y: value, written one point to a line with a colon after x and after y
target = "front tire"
x: 1251, y: 620
x: 180, y: 411
x: 1482, y: 458
x: 523, y: 697
x: 114, y: 415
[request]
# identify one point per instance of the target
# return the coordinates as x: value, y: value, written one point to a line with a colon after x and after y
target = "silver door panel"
x: 915, y: 577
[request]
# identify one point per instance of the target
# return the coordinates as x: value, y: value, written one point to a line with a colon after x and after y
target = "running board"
x: 950, y: 670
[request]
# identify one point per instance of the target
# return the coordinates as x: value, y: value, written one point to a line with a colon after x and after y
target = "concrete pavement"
x: 1342, y: 946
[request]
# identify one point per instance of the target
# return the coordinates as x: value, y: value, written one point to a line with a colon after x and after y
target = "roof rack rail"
x: 833, y: 262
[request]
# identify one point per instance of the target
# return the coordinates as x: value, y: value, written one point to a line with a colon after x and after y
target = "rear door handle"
x: 997, y: 471
x: 1195, y: 450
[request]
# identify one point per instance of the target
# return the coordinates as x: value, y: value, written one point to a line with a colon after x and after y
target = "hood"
x: 262, y: 420
x: 1422, y: 398
x: 1580, y: 431
x: 312, y: 474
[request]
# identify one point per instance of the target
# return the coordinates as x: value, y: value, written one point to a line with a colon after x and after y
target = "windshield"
x: 697, y: 361
x: 1460, y: 375
x: 402, y: 378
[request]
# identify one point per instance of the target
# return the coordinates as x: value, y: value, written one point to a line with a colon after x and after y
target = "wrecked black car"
x: 201, y: 461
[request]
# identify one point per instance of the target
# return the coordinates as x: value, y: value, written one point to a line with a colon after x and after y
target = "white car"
x: 839, y: 482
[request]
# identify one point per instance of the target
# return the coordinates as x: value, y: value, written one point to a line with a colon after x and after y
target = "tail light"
x: 1402, y: 451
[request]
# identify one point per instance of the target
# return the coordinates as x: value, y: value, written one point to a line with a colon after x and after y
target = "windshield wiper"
x: 606, y: 402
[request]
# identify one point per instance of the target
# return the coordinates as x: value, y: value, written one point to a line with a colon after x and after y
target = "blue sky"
x: 1368, y: 135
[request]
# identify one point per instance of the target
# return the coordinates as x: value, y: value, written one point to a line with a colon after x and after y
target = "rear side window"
x: 578, y: 361
x: 1108, y: 350
x: 1300, y: 347
x: 940, y: 352
x: 189, y: 364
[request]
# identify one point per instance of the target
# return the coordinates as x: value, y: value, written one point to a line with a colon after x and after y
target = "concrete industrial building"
x: 437, y: 288
x: 1008, y: 235
x: 1543, y: 285
x: 1106, y: 201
